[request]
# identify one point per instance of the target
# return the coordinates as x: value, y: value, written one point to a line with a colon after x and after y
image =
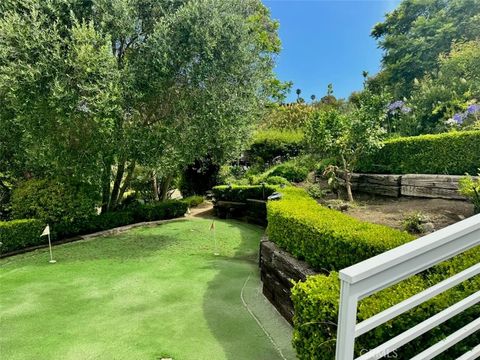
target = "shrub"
x: 240, y: 193
x: 63, y: 206
x: 290, y: 170
x: 159, y: 210
x: 19, y: 234
x: 109, y: 220
x: 414, y: 222
x: 276, y: 180
x: 325, y: 238
x: 193, y: 200
x: 450, y: 153
x: 315, y: 191
x: 316, y: 312
x: 270, y: 144
x: 471, y: 189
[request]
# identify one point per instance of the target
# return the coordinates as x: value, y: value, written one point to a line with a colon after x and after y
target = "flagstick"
x: 50, y: 246
x: 215, y: 240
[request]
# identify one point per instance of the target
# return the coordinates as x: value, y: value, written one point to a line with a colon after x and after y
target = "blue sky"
x: 327, y: 41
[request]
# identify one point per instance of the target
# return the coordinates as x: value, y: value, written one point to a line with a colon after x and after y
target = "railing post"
x: 347, y: 319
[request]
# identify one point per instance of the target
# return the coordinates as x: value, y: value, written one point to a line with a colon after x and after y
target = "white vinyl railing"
x: 379, y: 272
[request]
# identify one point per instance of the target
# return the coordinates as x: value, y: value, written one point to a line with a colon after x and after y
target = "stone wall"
x: 278, y: 268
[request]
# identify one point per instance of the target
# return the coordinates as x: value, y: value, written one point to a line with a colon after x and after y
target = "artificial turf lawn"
x: 145, y: 294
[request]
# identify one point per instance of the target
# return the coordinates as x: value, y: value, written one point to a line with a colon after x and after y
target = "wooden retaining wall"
x: 277, y: 269
x: 413, y: 185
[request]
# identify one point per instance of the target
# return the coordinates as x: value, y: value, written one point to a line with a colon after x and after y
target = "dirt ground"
x: 392, y: 211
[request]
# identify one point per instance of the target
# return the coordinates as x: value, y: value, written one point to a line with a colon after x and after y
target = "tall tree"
x: 417, y: 32
x: 94, y: 88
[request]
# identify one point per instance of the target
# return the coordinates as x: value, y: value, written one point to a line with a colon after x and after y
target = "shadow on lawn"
x: 229, y: 321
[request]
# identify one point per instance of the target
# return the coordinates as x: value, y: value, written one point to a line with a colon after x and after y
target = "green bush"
x: 19, y: 234
x: 240, y: 193
x: 109, y: 220
x: 193, y: 200
x: 470, y: 187
x: 316, y: 312
x: 325, y: 238
x: 64, y: 207
x: 159, y: 211
x: 450, y: 153
x: 289, y: 170
x: 270, y: 144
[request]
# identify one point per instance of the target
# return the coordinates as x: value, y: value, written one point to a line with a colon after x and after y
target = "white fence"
x: 377, y: 273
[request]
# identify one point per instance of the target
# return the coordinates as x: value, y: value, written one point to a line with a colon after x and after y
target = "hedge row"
x: 316, y: 312
x: 19, y: 234
x: 240, y: 193
x: 329, y: 241
x: 270, y: 144
x: 454, y: 153
x: 325, y: 238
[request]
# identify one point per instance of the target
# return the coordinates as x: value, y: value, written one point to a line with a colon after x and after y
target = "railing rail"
x: 384, y: 270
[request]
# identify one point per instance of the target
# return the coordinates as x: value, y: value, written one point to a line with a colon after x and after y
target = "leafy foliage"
x: 18, y: 234
x: 324, y: 238
x: 316, y: 312
x: 270, y: 144
x: 240, y: 193
x: 64, y: 207
x: 450, y: 153
x: 349, y: 136
x: 470, y: 187
x: 416, y: 33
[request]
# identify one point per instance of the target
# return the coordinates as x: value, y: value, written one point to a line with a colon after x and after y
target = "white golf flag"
x: 46, y: 231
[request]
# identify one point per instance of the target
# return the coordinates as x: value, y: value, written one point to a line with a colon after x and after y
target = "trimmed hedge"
x: 18, y: 234
x: 159, y: 211
x: 454, y: 153
x: 316, y: 313
x: 270, y: 144
x: 325, y: 238
x: 240, y: 193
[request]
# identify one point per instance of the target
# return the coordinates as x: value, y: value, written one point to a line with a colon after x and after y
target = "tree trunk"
x: 156, y: 197
x: 116, y: 185
x: 348, y: 178
x: 126, y: 182
x: 106, y: 186
x: 164, y: 186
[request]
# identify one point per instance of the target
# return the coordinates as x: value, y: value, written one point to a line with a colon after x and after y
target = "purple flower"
x: 459, y: 118
x: 395, y: 105
x: 472, y: 109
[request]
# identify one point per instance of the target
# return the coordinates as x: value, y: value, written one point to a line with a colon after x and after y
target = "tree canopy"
x: 91, y: 89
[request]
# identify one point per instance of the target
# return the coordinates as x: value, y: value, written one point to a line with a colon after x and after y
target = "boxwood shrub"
x: 325, y: 238
x: 454, y: 153
x: 316, y: 303
x: 18, y: 234
x: 240, y: 193
x: 270, y: 144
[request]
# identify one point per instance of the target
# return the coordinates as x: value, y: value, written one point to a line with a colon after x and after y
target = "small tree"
x: 348, y: 136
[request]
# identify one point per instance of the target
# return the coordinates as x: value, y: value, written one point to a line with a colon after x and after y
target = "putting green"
x: 148, y: 293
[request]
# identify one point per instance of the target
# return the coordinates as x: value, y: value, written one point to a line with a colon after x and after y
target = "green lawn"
x: 145, y: 294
